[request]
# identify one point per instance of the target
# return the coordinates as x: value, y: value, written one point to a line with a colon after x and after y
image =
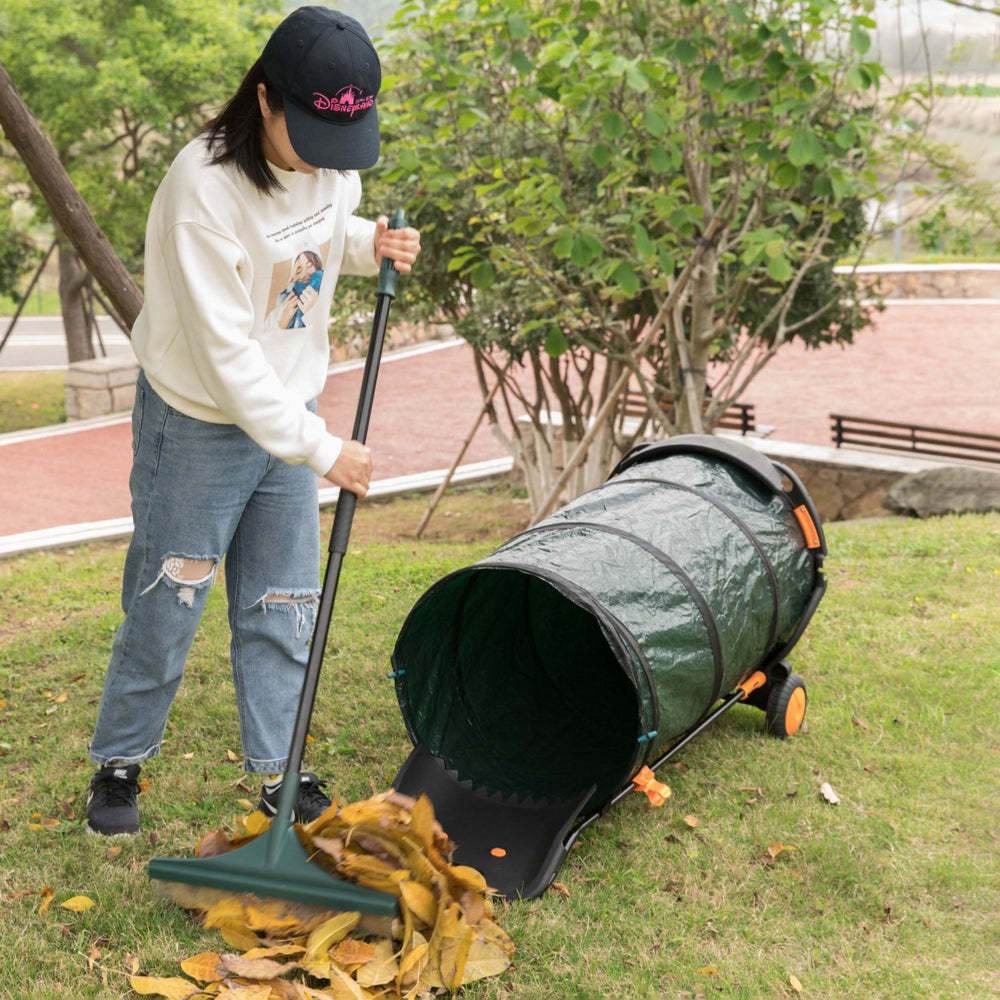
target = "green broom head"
x: 274, y: 866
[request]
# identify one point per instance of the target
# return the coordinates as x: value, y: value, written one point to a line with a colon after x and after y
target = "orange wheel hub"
x: 796, y: 710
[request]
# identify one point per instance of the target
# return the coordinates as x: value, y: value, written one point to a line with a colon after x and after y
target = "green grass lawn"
x: 31, y: 399
x: 893, y: 893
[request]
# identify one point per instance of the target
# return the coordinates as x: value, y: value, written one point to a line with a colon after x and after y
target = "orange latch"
x: 808, y: 527
x: 656, y: 791
x: 756, y: 680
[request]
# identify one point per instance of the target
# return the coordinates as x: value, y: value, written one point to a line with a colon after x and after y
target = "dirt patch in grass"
x: 466, y: 515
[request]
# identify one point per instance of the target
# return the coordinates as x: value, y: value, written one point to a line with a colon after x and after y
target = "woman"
x: 226, y: 439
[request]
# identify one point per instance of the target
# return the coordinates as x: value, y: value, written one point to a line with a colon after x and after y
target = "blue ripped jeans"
x: 201, y: 491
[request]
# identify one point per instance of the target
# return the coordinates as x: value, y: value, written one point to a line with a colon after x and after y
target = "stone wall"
x: 844, y: 483
x: 98, y: 387
x: 932, y: 281
x: 843, y: 494
x: 400, y: 333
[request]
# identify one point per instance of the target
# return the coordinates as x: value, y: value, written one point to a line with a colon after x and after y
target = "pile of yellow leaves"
x: 444, y: 936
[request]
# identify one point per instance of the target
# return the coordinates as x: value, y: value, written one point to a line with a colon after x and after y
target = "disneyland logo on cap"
x: 326, y: 69
x: 350, y: 100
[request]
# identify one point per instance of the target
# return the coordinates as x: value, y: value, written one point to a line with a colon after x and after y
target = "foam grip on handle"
x: 388, y: 274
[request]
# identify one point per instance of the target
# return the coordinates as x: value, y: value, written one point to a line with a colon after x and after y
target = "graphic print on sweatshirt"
x: 295, y: 285
x: 301, y: 250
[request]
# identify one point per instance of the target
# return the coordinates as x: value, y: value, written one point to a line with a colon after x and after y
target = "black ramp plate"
x: 517, y: 845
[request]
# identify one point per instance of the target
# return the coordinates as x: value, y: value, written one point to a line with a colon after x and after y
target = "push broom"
x: 275, y: 864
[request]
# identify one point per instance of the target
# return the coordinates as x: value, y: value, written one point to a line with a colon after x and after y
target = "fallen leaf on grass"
x: 245, y: 991
x: 212, y: 845
x: 332, y: 932
x: 445, y: 935
x: 238, y: 937
x: 412, y: 965
x: 692, y: 821
x: 204, y: 968
x: 39, y: 825
x: 352, y: 952
x: 78, y: 904
x: 161, y: 986
x: 278, y: 951
x: 795, y: 984
x: 826, y: 790
x: 777, y: 848
x: 344, y: 987
x: 383, y: 967
x: 256, y: 823
x: 484, y: 960
x: 254, y: 968
x: 420, y: 901
x: 283, y: 990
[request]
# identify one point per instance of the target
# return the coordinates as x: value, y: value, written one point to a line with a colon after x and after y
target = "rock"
x: 953, y: 489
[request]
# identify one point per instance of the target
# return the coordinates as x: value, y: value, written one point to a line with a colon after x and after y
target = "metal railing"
x: 944, y: 442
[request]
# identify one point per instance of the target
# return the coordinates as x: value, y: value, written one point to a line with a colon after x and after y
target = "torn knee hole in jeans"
x: 302, y: 603
x: 187, y: 574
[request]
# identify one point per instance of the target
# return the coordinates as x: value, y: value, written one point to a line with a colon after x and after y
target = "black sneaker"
x: 111, y: 808
x: 312, y: 802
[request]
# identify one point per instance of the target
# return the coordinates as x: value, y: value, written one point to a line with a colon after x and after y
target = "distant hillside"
x: 972, y: 125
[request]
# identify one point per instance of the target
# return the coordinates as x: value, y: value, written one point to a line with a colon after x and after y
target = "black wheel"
x: 786, y: 706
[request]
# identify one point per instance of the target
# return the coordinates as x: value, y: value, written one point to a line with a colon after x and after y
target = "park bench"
x: 941, y: 441
x: 737, y: 417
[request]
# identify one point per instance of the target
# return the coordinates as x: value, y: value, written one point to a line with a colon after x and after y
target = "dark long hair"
x: 234, y: 133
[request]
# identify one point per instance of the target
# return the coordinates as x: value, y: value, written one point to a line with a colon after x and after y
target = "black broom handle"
x: 346, y: 504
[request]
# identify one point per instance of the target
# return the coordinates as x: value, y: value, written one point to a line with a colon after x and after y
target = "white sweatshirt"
x: 220, y: 337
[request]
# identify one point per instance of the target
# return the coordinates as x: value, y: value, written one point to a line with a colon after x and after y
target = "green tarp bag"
x: 553, y: 670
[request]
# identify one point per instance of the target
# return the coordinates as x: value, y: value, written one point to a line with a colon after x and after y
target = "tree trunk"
x: 72, y: 280
x: 693, y: 350
x: 67, y: 206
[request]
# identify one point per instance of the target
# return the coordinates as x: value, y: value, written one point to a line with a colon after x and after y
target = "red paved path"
x: 929, y: 362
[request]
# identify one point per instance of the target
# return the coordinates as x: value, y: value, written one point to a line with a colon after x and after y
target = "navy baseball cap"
x: 325, y: 67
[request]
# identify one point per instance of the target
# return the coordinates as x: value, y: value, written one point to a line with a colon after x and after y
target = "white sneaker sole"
x: 91, y: 832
